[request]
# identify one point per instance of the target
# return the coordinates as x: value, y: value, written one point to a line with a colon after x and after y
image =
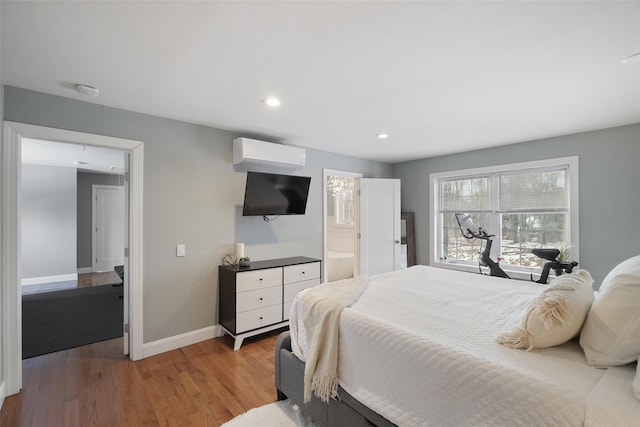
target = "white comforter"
x: 419, y: 348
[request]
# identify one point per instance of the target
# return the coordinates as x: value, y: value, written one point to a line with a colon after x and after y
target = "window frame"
x: 572, y: 178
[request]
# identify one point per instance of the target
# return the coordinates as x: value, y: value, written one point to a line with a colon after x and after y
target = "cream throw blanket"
x: 320, y: 308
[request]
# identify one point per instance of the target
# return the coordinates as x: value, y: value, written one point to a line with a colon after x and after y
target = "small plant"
x: 565, y: 253
x: 244, y: 261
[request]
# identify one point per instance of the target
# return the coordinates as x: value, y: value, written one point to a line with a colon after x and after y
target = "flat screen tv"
x: 275, y: 194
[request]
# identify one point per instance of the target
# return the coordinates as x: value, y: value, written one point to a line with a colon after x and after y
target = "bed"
x: 418, y: 347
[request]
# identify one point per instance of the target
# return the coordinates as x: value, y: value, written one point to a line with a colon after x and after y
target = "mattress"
x: 418, y: 347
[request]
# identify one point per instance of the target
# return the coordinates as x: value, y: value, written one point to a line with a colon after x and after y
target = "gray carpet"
x: 58, y: 320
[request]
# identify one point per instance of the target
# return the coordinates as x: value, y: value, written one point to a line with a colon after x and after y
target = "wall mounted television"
x: 275, y: 194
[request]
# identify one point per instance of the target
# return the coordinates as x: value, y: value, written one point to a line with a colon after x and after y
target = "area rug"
x: 58, y: 320
x: 277, y: 414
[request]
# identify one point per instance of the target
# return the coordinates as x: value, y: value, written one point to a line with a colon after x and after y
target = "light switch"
x: 181, y: 249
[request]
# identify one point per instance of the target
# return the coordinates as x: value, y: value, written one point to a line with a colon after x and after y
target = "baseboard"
x: 1, y: 394
x: 182, y: 340
x: 85, y: 270
x: 49, y: 279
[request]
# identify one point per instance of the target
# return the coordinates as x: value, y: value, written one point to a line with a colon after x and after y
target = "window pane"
x: 522, y: 232
x: 345, y: 216
x: 340, y: 191
x: 461, y: 195
x: 454, y: 245
x: 538, y: 190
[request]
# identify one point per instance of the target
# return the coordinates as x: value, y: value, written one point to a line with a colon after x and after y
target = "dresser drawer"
x: 300, y: 272
x: 252, y: 280
x: 291, y: 289
x: 255, y: 319
x: 251, y: 300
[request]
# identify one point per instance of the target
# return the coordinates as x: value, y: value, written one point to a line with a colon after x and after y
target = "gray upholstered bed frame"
x: 290, y: 385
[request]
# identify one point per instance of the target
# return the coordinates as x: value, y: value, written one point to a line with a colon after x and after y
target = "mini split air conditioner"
x: 251, y: 154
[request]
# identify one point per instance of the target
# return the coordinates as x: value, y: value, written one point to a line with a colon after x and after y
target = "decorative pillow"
x: 636, y: 381
x: 556, y: 315
x: 611, y: 334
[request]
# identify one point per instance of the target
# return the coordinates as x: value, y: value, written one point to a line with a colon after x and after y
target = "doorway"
x: 341, y: 224
x: 63, y: 304
x: 11, y: 241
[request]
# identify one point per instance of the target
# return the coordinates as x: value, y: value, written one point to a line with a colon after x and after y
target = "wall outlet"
x: 181, y: 249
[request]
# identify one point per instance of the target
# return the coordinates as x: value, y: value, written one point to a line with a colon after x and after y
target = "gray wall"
x: 609, y: 199
x: 85, y: 181
x: 193, y: 196
x: 48, y: 240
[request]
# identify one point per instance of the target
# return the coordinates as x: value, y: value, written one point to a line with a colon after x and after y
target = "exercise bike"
x: 470, y: 232
x: 559, y: 267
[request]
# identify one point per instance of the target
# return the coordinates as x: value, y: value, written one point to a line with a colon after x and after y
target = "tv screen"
x: 275, y: 194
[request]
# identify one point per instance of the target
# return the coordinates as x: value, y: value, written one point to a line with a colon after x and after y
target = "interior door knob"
x: 397, y: 241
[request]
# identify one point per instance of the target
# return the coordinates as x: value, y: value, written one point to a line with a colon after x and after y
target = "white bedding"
x: 419, y: 348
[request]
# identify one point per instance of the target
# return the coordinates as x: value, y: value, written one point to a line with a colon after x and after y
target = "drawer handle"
x: 260, y: 299
x: 260, y: 317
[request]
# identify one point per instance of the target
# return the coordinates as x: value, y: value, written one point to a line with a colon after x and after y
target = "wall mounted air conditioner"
x: 251, y: 154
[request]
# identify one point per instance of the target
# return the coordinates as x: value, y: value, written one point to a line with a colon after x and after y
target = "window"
x: 342, y: 191
x: 525, y: 205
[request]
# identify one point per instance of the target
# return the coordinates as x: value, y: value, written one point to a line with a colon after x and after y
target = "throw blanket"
x: 320, y: 308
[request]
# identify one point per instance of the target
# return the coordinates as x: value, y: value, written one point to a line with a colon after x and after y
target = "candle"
x: 239, y: 251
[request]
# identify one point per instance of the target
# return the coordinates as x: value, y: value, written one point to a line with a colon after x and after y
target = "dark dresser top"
x: 271, y: 263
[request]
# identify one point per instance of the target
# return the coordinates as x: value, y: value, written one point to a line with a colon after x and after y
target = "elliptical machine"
x: 470, y: 232
x: 558, y: 266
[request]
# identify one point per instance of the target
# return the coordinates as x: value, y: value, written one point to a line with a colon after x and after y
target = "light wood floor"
x: 205, y: 384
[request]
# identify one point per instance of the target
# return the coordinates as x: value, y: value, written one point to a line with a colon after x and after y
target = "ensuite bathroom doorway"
x: 341, y: 224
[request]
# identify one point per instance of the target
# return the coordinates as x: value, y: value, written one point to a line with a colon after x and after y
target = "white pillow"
x: 636, y: 381
x: 611, y: 334
x: 556, y: 315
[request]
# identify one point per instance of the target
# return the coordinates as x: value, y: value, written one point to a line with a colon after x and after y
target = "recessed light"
x: 87, y: 90
x: 271, y: 101
x: 80, y: 163
x: 383, y: 135
x: 632, y: 59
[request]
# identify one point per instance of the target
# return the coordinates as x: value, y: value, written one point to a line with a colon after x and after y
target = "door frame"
x: 95, y: 188
x: 325, y: 244
x: 10, y: 232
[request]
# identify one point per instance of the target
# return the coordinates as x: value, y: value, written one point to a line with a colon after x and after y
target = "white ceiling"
x: 439, y: 77
x: 90, y: 158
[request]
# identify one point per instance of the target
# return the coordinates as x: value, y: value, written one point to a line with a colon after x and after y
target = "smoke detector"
x: 87, y: 90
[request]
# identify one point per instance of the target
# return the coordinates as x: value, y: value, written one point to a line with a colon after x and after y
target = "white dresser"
x: 257, y: 299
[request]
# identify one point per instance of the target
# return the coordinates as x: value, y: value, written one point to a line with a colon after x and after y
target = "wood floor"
x: 84, y: 280
x: 205, y: 384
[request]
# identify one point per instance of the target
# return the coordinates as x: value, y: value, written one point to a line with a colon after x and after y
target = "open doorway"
x: 14, y: 133
x: 72, y: 245
x: 341, y: 224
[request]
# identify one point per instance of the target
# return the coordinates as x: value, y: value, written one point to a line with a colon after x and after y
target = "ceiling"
x: 438, y: 77
x: 86, y: 158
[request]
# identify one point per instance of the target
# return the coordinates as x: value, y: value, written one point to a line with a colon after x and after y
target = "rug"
x: 58, y: 320
x: 277, y: 414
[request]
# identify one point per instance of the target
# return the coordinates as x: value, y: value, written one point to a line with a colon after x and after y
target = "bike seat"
x: 549, y: 254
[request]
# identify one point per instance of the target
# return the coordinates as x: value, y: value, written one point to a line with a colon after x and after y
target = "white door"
x: 108, y: 227
x: 379, y: 226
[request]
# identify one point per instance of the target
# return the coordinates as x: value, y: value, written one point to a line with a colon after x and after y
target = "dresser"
x: 257, y: 299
